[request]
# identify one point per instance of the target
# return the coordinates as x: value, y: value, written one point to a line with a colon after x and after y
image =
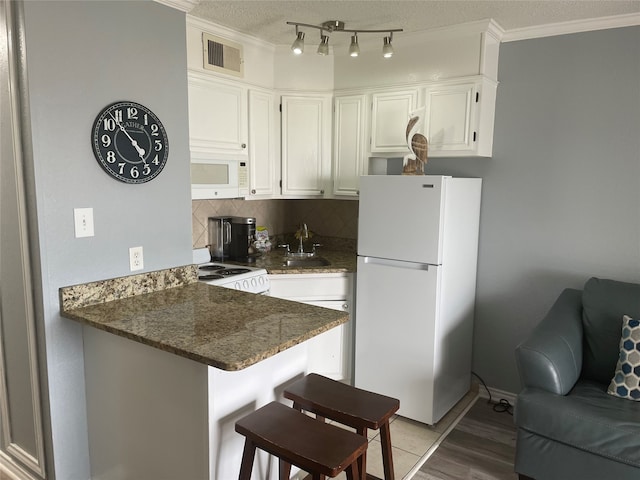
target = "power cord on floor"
x: 502, y: 406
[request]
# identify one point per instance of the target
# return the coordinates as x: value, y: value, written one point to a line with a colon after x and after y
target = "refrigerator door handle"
x: 396, y: 263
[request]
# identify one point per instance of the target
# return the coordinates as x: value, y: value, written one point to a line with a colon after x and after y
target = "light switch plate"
x: 83, y: 220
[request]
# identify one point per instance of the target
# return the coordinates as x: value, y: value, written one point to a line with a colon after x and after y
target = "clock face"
x: 130, y: 142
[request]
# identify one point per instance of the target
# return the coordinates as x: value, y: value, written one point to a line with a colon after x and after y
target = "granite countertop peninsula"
x: 172, y: 311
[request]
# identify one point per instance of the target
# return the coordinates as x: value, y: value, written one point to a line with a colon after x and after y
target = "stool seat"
x: 351, y: 406
x: 295, y: 438
x: 340, y: 402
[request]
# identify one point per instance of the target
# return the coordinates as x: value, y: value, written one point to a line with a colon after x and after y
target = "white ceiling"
x: 266, y: 19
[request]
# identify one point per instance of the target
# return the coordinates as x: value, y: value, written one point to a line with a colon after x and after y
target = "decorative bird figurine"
x: 413, y: 163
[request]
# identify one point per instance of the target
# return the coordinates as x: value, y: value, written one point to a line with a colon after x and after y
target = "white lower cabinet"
x: 330, y: 353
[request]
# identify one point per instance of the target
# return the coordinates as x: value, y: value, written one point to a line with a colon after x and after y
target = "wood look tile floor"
x: 410, y: 440
x: 480, y: 447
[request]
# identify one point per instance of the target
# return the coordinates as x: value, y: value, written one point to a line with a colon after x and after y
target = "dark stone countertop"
x: 172, y: 311
x: 340, y: 261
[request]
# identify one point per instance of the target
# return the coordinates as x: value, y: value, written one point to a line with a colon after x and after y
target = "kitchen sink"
x: 304, y: 260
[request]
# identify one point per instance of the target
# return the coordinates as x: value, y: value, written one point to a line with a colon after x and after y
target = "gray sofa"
x: 568, y: 426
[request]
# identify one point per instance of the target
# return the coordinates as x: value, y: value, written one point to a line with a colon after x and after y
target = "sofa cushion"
x: 604, y: 303
x: 626, y: 381
x: 587, y: 418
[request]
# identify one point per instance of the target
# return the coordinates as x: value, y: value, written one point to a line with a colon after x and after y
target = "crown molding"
x: 574, y: 26
x: 183, y: 5
x: 479, y: 26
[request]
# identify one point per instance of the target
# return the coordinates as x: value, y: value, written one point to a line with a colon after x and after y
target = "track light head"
x: 323, y: 48
x: 387, y: 48
x: 354, y: 48
x: 298, y: 43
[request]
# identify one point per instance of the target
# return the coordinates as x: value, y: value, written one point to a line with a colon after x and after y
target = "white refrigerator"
x: 415, y: 290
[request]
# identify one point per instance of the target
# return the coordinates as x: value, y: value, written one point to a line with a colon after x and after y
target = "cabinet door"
x: 390, y: 115
x: 450, y: 124
x: 262, y: 152
x: 306, y: 140
x: 348, y: 143
x: 217, y: 116
x: 328, y: 352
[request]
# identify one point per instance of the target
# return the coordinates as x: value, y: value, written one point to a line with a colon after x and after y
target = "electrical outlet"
x: 135, y: 258
x: 83, y: 220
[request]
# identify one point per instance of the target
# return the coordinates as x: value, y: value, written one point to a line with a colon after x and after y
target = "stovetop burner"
x: 228, y: 275
x: 227, y: 272
x: 210, y: 276
x: 211, y: 267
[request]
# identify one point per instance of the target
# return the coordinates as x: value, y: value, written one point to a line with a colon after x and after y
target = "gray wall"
x: 81, y: 56
x: 561, y: 194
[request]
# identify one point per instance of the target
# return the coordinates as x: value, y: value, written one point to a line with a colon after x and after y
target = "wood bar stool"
x: 356, y: 408
x: 317, y: 448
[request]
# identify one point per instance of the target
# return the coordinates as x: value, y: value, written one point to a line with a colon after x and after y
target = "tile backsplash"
x: 327, y: 218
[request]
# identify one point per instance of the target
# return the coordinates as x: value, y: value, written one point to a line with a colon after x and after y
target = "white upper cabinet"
x: 389, y: 116
x: 349, y: 130
x: 459, y: 118
x: 448, y: 117
x: 306, y: 144
x: 217, y: 116
x: 263, y: 162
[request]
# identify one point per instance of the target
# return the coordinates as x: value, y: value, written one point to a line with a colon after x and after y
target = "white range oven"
x: 238, y: 277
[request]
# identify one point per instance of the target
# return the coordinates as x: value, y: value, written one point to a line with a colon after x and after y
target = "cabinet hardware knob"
x: 321, y: 192
x: 253, y: 191
x: 345, y: 306
x: 244, y: 145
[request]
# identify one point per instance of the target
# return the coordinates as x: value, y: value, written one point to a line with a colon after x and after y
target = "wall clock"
x: 129, y: 142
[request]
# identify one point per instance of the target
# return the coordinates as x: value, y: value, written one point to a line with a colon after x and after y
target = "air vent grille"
x: 222, y: 55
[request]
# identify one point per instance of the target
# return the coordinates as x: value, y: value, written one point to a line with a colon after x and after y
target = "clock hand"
x: 139, y: 149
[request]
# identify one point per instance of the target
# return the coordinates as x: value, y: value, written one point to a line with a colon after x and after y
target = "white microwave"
x: 213, y: 178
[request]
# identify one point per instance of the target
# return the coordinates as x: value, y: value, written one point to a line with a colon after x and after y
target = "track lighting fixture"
x: 338, y: 26
x: 298, y: 43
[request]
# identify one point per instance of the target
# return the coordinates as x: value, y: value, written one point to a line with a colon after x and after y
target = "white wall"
x: 306, y: 72
x: 82, y: 56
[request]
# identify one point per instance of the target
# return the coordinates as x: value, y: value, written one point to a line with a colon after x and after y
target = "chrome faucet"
x: 304, y: 234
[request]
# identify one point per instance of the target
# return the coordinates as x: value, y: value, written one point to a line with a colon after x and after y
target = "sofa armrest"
x: 551, y: 357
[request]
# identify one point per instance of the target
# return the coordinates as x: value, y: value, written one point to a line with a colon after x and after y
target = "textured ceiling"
x: 266, y: 19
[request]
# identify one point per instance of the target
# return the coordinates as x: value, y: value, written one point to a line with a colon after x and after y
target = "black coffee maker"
x: 243, y: 234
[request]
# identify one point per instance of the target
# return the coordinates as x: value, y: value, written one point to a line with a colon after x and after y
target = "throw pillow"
x: 626, y: 381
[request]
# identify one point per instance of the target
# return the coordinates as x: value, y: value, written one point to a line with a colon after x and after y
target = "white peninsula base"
x: 153, y: 415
